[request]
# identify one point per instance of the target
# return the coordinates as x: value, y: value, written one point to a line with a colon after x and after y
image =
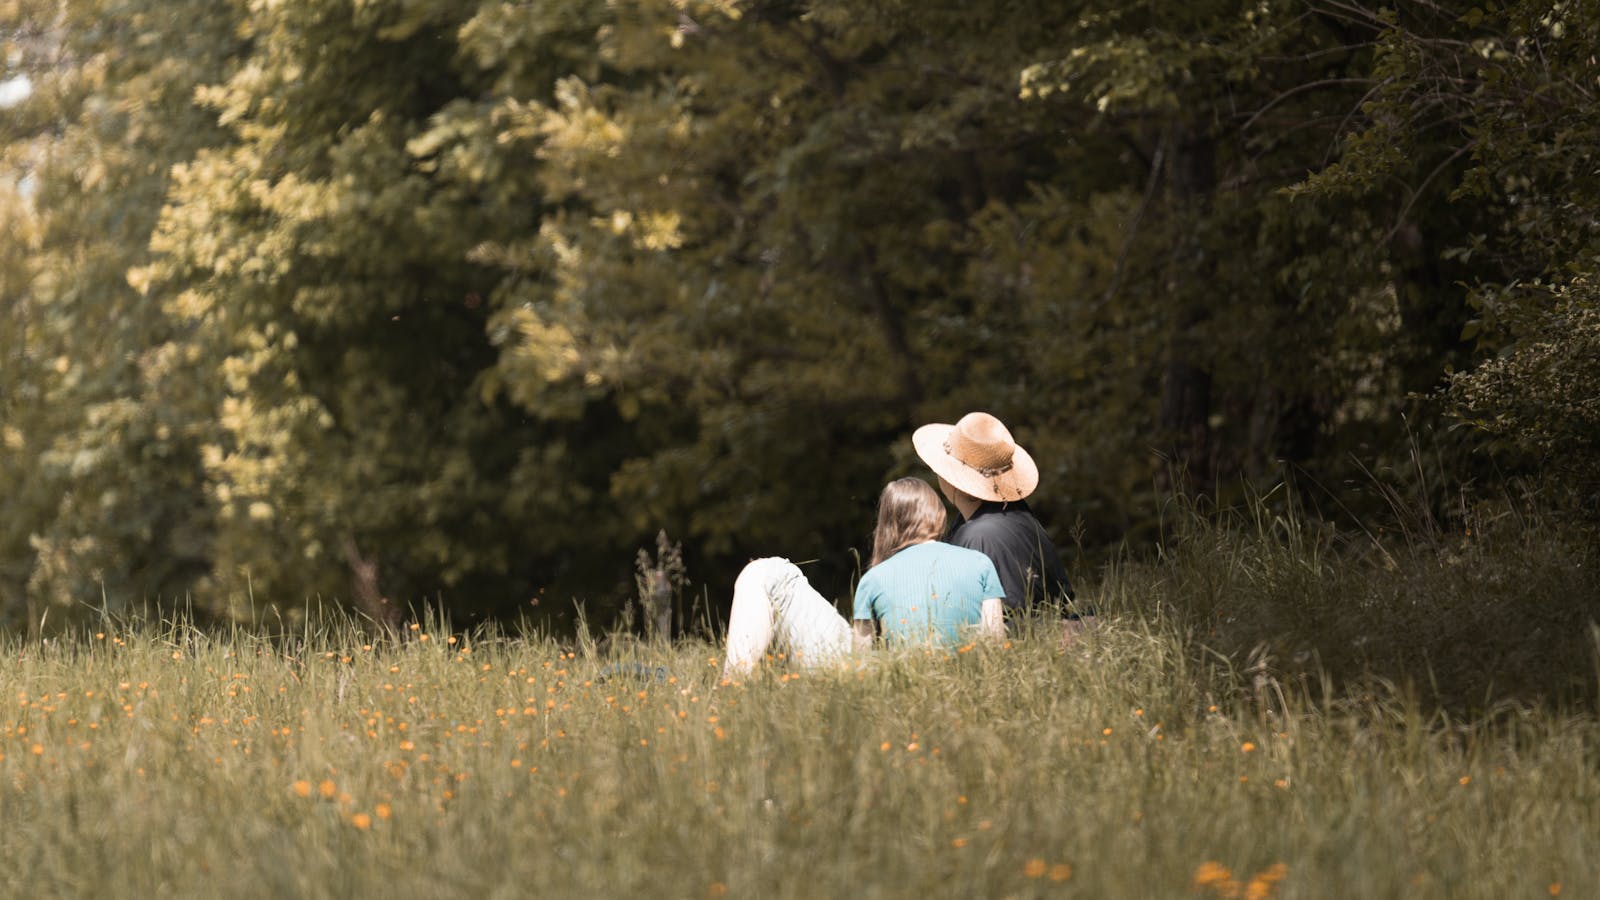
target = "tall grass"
x: 1500, y: 610
x: 1177, y: 753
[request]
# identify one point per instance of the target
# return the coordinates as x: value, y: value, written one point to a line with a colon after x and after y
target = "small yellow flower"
x: 1060, y: 872
x: 1034, y: 868
x: 1247, y: 747
x: 302, y: 788
x: 361, y: 821
x: 383, y: 811
x: 958, y: 843
x: 327, y: 789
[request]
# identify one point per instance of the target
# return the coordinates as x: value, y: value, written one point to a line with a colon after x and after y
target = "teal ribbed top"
x: 928, y: 592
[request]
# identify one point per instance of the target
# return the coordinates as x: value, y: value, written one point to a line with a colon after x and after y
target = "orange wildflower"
x: 1217, y: 877
x: 1260, y: 887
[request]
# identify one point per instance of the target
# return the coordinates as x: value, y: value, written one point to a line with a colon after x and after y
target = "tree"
x: 105, y: 504
x: 402, y: 300
x: 1488, y: 112
x: 329, y: 263
x: 798, y: 230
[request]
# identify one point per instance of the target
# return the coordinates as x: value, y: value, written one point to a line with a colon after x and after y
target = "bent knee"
x: 761, y: 574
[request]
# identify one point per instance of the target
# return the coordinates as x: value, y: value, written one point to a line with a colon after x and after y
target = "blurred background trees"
x: 402, y: 301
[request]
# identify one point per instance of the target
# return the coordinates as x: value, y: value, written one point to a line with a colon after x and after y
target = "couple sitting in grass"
x: 923, y: 586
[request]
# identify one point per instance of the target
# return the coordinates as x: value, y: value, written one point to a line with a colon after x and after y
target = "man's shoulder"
x: 995, y: 522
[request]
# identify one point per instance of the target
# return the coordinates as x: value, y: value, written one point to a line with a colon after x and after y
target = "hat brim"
x: 1011, y: 485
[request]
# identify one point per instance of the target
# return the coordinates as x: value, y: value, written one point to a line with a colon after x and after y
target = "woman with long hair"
x: 916, y: 590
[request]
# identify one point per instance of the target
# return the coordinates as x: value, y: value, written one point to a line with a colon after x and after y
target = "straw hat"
x: 978, y: 456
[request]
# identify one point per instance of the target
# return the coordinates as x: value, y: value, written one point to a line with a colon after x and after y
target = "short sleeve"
x: 989, y: 580
x: 863, y: 608
x: 992, y: 549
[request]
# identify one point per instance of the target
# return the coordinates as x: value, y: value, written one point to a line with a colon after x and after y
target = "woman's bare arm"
x: 992, y: 621
x: 865, y: 631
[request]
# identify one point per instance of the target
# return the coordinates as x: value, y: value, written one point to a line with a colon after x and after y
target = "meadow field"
x: 177, y: 764
x: 1172, y: 755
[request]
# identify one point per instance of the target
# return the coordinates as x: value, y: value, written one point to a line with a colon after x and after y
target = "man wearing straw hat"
x: 985, y: 475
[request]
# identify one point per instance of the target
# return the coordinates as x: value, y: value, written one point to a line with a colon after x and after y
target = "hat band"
x: 985, y: 471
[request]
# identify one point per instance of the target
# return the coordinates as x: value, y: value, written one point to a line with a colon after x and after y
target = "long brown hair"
x: 909, y: 512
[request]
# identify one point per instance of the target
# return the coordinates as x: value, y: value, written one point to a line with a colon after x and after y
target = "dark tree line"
x: 412, y: 301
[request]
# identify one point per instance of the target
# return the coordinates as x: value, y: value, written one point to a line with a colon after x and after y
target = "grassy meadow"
x: 159, y: 760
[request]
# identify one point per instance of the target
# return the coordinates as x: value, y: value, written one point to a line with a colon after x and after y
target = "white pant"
x: 772, y: 599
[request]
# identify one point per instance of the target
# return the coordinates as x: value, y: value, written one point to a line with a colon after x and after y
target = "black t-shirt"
x: 1030, y: 569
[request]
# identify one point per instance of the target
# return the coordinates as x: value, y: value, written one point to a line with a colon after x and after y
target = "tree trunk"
x: 657, y: 601
x: 1185, y: 420
x: 364, y: 588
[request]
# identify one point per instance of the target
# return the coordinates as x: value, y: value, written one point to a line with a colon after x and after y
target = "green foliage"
x: 21, y: 370
x: 104, y: 501
x: 1541, y: 393
x: 806, y: 233
x: 404, y: 299
x: 1492, y: 117
x: 324, y: 261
